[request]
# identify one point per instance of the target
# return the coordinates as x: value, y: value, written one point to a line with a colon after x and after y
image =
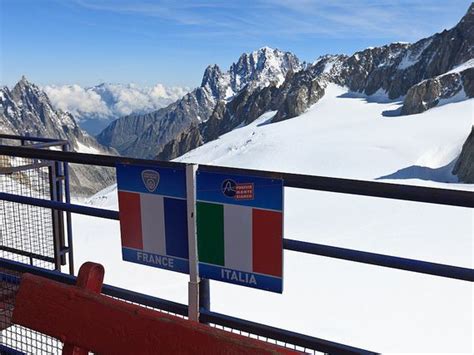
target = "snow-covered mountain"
x: 27, y: 110
x: 431, y: 72
x: 95, y: 107
x: 146, y: 135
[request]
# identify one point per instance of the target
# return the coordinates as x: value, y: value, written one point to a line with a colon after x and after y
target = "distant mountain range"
x: 433, y: 71
x: 27, y: 110
x: 97, y: 106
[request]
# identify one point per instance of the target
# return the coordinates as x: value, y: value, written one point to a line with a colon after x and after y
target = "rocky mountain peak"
x: 215, y: 82
x: 469, y: 16
x: 262, y: 67
x: 211, y: 75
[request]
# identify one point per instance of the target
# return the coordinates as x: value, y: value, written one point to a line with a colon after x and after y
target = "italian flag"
x: 240, y: 237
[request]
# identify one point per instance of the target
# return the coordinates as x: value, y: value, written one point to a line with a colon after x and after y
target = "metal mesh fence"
x: 26, y: 235
x: 26, y: 232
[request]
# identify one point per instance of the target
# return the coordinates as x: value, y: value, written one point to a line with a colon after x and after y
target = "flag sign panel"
x: 240, y: 229
x: 153, y: 216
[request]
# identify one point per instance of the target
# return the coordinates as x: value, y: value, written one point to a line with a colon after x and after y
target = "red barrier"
x: 82, y: 318
x: 90, y: 277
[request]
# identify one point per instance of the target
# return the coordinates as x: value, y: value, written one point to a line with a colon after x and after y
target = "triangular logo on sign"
x: 151, y: 179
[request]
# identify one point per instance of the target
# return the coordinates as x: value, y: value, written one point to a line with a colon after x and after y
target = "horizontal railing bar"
x: 424, y: 267
x: 16, y: 169
x: 9, y: 351
x: 42, y: 145
x: 27, y: 254
x: 449, y: 197
x: 28, y: 139
x: 61, y: 206
x: 285, y: 336
x: 82, y: 158
x: 108, y: 290
x: 394, y: 262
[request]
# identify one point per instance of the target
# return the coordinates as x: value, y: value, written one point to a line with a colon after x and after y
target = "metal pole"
x: 193, y: 286
x: 55, y: 217
x: 67, y: 195
x: 204, y: 296
x: 59, y: 197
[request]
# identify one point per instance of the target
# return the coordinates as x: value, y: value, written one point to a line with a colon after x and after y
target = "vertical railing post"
x: 67, y: 197
x: 204, y: 295
x: 55, y: 217
x: 59, y: 178
x: 193, y: 286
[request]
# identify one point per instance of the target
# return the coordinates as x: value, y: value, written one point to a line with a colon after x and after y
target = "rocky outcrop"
x: 464, y: 167
x: 26, y: 110
x: 445, y: 88
x: 299, y: 91
x: 185, y: 142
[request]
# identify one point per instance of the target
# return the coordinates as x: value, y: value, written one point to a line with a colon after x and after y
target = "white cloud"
x: 110, y: 101
x: 76, y: 100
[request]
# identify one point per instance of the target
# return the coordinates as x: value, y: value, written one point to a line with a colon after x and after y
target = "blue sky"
x: 145, y: 42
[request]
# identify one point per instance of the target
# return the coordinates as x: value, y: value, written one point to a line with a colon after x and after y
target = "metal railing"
x: 35, y: 178
x: 346, y: 186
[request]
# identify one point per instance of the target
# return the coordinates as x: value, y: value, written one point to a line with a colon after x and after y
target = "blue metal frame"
x: 58, y: 172
x: 9, y: 351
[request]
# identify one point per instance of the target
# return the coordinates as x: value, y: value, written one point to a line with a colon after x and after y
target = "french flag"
x: 154, y: 224
x: 153, y: 216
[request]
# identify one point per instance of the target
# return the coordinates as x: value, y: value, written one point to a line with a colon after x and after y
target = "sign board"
x: 240, y: 229
x: 153, y: 216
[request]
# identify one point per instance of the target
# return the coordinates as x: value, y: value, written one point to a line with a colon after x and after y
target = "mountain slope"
x: 346, y: 136
x: 27, y: 110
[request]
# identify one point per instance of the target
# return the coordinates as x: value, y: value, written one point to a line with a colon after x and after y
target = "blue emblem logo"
x: 151, y: 179
x: 229, y: 188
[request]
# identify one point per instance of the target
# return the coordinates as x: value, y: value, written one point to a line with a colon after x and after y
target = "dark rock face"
x: 300, y: 91
x: 146, y: 135
x: 427, y: 94
x: 27, y: 110
x: 468, y: 82
x: 185, y: 142
x: 464, y: 167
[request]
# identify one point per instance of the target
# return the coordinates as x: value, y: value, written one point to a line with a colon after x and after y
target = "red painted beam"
x: 90, y: 277
x: 108, y: 326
